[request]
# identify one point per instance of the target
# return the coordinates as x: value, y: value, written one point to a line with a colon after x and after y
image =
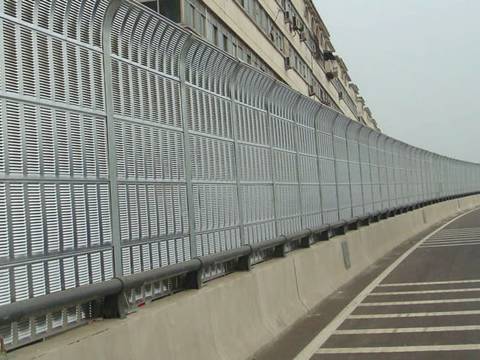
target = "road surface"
x: 420, y: 302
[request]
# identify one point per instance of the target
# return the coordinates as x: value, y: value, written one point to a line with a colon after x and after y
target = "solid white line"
x: 460, y: 229
x: 452, y: 233
x: 457, y: 233
x: 415, y: 314
x: 420, y: 302
x: 431, y: 283
x: 434, y: 243
x: 424, y: 292
x: 452, y: 241
x: 323, y: 335
x: 450, y: 245
x: 399, y: 349
x: 455, y: 238
x: 407, y: 330
x: 449, y: 237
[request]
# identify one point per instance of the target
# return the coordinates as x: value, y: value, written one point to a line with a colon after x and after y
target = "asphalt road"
x: 420, y: 302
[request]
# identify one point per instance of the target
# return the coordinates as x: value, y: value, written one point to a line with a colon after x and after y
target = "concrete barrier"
x: 234, y: 316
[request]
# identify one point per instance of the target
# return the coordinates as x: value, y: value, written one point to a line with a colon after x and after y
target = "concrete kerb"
x: 234, y: 316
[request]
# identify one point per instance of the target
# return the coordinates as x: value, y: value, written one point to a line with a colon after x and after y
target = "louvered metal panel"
x: 149, y: 141
x: 352, y: 134
x: 54, y: 192
x: 342, y: 171
x: 308, y: 169
x: 326, y: 161
x: 374, y: 171
x: 212, y: 149
x: 255, y: 160
x: 135, y: 145
x: 282, y: 105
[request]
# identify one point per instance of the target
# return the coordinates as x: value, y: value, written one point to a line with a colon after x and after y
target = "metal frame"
x: 137, y: 160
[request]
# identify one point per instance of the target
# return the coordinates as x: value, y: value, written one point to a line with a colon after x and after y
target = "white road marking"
x: 463, y: 242
x: 454, y: 236
x: 458, y: 233
x: 415, y: 314
x: 398, y: 349
x: 413, y: 292
x: 419, y: 302
x: 452, y: 241
x: 407, y: 330
x: 431, y: 283
x: 323, y: 335
x: 450, y: 245
x: 459, y: 229
x: 439, y: 243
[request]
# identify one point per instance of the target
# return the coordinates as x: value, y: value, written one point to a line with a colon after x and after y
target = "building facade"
x: 285, y: 38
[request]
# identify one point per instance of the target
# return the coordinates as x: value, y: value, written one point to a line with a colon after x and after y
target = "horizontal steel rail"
x: 116, y: 286
x: 137, y: 160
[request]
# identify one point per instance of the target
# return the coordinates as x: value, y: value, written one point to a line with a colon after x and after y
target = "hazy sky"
x: 417, y: 64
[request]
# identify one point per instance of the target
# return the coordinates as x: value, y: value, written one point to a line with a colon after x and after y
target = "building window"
x: 225, y: 42
x: 151, y: 5
x: 215, y: 35
x: 201, y: 24
x: 192, y: 16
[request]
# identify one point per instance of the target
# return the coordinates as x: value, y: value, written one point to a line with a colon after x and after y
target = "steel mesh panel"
x: 158, y: 51
x: 382, y: 170
x: 326, y: 163
x: 209, y: 68
x: 259, y: 215
x: 55, y: 212
x: 400, y: 176
x: 213, y: 149
x: 252, y: 88
x: 204, y: 154
x: 342, y: 171
x: 213, y: 171
x: 56, y: 208
x: 374, y: 170
x: 255, y: 173
x: 354, y: 167
x: 149, y: 141
x: 287, y: 192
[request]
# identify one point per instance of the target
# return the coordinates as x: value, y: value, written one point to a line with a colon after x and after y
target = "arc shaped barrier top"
x: 127, y: 144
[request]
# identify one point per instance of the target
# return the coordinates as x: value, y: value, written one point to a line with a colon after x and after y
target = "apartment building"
x: 284, y: 38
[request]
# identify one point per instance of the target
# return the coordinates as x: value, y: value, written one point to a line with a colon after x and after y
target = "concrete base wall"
x: 232, y: 317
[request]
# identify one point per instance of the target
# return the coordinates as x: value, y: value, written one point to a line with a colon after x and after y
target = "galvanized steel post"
x: 186, y: 143
x: 113, y: 7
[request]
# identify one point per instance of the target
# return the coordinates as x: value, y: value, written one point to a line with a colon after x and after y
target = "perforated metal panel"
x: 254, y: 141
x: 308, y: 163
x: 326, y: 161
x: 342, y: 170
x: 282, y: 104
x: 213, y: 149
x: 149, y: 140
x: 55, y: 219
x: 127, y: 144
x: 356, y: 193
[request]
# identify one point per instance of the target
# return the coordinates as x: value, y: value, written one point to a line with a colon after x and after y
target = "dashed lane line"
x: 415, y: 314
x: 407, y: 330
x: 450, y: 245
x: 323, y: 335
x: 423, y: 283
x: 399, y: 349
x: 419, y: 302
x: 414, y: 292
